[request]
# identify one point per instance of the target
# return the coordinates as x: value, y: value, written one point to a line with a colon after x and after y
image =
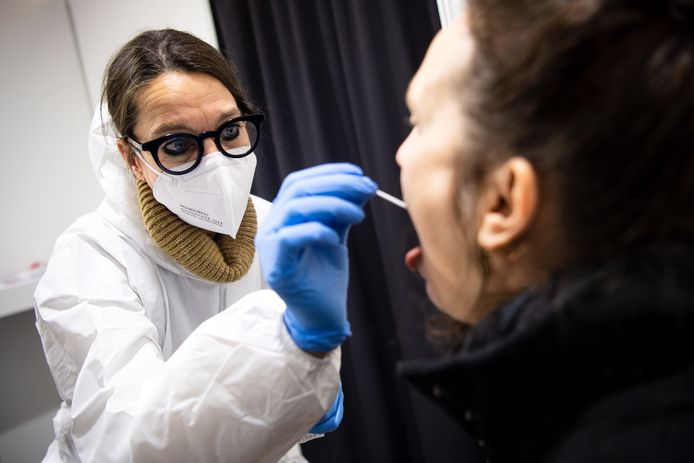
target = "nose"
x: 401, y: 151
x: 209, y: 146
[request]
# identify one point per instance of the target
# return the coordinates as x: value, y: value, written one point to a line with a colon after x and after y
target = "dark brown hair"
x: 156, y: 52
x: 599, y: 95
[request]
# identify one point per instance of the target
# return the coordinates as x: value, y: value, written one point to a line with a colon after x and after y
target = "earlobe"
x: 512, y: 195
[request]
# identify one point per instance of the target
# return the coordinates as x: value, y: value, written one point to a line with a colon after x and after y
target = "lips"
x: 413, y: 258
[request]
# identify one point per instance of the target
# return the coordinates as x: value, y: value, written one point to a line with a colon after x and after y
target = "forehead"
x: 192, y: 101
x: 444, y: 66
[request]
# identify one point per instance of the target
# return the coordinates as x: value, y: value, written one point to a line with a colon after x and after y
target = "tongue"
x: 413, y: 257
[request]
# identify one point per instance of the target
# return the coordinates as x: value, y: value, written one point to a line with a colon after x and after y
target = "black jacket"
x: 597, y: 365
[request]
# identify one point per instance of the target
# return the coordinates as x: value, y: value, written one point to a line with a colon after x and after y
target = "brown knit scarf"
x: 222, y: 259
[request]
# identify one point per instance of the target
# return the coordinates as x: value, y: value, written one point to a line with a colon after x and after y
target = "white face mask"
x: 214, y: 196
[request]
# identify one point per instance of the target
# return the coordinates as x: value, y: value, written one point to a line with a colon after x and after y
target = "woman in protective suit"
x: 162, y: 342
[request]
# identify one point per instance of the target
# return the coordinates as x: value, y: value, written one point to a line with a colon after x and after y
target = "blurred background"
x: 331, y: 77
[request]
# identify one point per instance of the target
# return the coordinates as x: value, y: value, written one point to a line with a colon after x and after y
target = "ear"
x: 510, y: 202
x: 133, y: 162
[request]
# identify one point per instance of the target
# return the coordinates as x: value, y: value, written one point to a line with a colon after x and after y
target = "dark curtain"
x: 331, y: 76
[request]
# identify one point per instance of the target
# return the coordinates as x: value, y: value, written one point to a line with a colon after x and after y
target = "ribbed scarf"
x: 222, y: 259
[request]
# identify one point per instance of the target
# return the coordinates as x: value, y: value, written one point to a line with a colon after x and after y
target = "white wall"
x: 45, y: 177
x: 102, y: 26
x: 53, y: 53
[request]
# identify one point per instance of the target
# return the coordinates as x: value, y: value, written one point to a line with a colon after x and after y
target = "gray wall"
x: 28, y: 399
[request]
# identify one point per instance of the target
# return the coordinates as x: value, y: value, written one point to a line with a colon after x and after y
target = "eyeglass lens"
x: 179, y: 153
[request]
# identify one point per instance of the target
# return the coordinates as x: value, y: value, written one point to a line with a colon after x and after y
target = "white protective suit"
x: 155, y: 364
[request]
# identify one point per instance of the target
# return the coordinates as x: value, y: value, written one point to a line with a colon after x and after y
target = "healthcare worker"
x: 549, y: 175
x: 162, y: 342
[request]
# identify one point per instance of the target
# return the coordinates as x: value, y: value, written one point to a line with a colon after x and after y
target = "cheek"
x: 150, y: 177
x: 454, y: 278
x: 430, y: 180
x: 451, y: 263
x: 143, y: 172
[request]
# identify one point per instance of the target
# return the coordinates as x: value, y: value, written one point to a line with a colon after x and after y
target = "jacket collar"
x: 534, y: 365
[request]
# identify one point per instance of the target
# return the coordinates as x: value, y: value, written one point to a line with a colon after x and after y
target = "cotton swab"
x: 391, y: 199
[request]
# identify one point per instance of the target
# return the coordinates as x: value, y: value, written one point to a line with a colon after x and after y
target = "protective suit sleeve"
x: 237, y: 389
x: 333, y: 417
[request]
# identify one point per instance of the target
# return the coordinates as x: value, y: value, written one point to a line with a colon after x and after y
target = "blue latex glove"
x: 303, y: 252
x: 332, y: 418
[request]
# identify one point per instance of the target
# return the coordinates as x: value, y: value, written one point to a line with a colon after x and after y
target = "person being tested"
x: 550, y: 178
x: 163, y: 344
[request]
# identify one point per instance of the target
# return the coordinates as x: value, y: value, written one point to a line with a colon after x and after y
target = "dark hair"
x: 156, y: 52
x: 599, y: 96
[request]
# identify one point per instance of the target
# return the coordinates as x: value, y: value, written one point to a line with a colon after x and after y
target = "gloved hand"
x: 332, y: 418
x: 303, y: 252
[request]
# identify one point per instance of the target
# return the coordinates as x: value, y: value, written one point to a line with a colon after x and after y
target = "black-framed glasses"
x: 180, y: 153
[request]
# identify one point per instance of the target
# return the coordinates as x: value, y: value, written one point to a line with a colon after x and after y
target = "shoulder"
x: 650, y: 422
x: 93, y: 235
x: 87, y: 232
x: 91, y: 255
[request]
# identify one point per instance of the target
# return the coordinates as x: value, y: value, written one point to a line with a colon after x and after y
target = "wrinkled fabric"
x: 155, y: 364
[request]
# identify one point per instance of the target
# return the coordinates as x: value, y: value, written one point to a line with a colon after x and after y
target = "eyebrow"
x: 233, y: 112
x: 168, y: 128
